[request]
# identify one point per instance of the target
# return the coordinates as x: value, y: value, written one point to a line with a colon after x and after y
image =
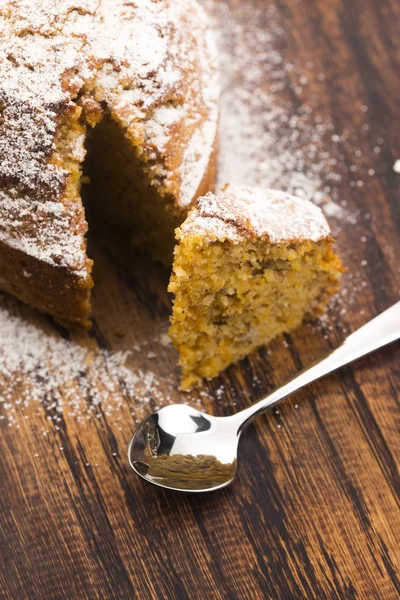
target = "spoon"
x: 181, y: 448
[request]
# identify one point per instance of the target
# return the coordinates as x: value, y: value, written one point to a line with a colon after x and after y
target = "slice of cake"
x: 250, y: 264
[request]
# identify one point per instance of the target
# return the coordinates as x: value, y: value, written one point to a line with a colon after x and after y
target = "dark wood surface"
x: 314, y: 512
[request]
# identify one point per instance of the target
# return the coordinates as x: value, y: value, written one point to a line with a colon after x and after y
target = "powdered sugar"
x: 140, y: 60
x: 196, y: 158
x: 65, y: 375
x: 267, y: 140
x: 27, y: 230
x: 240, y: 212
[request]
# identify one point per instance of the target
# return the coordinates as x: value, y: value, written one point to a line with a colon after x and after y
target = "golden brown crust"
x: 245, y: 212
x: 54, y: 290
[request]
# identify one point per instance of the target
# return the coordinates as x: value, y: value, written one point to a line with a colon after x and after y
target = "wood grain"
x: 315, y: 510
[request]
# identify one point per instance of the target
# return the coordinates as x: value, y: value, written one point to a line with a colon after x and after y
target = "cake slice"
x: 250, y: 264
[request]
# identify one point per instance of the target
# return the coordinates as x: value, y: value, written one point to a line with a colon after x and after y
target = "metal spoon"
x: 181, y: 448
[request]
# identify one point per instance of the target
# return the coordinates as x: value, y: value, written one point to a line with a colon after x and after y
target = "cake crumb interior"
x: 120, y: 194
x: 232, y: 298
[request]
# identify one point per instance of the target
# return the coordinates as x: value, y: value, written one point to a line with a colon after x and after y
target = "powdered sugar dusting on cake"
x: 239, y: 213
x: 137, y: 60
x: 35, y: 58
x: 196, y: 158
x: 24, y: 226
x: 211, y: 227
x: 202, y: 144
x: 165, y: 91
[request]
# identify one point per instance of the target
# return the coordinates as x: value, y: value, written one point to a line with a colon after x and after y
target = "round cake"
x: 133, y: 86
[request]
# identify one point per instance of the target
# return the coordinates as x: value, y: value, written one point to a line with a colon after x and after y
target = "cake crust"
x: 57, y: 291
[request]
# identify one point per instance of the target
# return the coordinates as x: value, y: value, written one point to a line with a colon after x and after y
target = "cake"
x: 133, y: 84
x: 249, y: 265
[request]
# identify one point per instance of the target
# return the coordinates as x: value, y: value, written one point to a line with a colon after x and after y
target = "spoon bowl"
x: 181, y: 448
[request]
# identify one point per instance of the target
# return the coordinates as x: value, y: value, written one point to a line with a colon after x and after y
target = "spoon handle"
x: 382, y: 330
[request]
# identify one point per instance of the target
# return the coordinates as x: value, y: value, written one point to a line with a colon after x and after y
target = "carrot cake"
x: 131, y: 83
x: 250, y: 264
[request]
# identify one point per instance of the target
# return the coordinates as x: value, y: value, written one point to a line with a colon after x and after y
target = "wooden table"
x: 314, y: 512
